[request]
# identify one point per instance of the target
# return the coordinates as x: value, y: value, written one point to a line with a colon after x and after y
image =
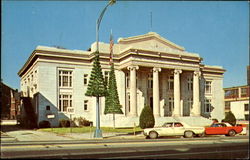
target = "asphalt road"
x: 175, y: 148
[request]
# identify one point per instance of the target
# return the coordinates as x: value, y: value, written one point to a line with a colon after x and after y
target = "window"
x: 208, y: 105
x: 190, y: 84
x: 85, y: 79
x: 65, y: 78
x: 106, y: 77
x: 85, y: 105
x: 246, y: 107
x: 190, y: 102
x: 243, y: 92
x: 171, y: 104
x: 247, y: 117
x: 65, y: 101
x: 171, y: 83
x: 208, y: 87
x: 150, y: 81
x: 48, y: 108
x: 227, y: 105
x: 127, y: 80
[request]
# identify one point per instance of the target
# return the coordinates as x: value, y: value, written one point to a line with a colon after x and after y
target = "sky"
x: 218, y: 31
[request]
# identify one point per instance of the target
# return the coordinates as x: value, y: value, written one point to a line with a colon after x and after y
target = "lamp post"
x: 111, y: 2
x: 98, y: 132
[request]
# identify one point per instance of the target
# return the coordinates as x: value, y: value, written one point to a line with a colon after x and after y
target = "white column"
x: 177, y: 91
x: 156, y: 97
x: 133, y: 90
x: 196, y: 110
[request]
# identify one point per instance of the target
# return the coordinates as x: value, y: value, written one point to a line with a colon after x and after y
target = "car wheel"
x: 153, y: 135
x: 188, y: 134
x: 231, y: 133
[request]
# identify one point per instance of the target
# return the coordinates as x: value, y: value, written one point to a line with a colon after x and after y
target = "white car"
x: 174, y: 129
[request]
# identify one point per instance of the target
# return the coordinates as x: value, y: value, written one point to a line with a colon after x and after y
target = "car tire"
x: 231, y: 133
x: 153, y: 135
x: 188, y: 134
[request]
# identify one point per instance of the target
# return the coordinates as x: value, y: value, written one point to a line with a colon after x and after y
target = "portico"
x: 195, y: 109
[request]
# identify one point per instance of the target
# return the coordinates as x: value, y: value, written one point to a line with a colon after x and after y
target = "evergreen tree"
x: 96, y: 85
x: 230, y: 118
x: 112, y: 103
x: 96, y: 88
x: 147, y: 119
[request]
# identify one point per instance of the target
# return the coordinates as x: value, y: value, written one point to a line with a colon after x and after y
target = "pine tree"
x: 112, y: 103
x: 96, y: 88
x: 96, y: 85
x: 147, y: 119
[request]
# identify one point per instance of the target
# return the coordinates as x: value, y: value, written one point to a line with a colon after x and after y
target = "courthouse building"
x: 150, y: 70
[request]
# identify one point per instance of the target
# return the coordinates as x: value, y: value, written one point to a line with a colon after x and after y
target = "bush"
x: 82, y: 121
x: 44, y: 124
x: 147, y: 119
x: 64, y: 123
x: 230, y: 118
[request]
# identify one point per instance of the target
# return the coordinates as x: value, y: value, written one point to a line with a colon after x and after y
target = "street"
x: 219, y: 147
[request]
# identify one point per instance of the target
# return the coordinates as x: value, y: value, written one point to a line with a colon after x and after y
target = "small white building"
x: 237, y: 101
x: 150, y: 70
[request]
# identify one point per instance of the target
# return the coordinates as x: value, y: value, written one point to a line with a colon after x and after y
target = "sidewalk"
x: 33, y: 135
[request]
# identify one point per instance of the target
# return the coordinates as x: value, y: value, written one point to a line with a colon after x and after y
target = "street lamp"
x: 111, y: 2
x: 98, y: 132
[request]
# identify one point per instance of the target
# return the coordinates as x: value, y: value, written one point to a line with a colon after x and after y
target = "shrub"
x: 230, y: 118
x: 64, y: 123
x: 82, y: 121
x: 44, y: 124
x: 147, y: 119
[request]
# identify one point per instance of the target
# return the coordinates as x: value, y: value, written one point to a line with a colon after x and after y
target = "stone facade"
x: 150, y: 70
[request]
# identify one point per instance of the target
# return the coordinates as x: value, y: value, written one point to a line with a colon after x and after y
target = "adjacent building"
x: 237, y: 101
x: 9, y: 102
x: 150, y: 70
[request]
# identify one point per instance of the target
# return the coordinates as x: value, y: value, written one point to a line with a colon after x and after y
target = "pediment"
x: 150, y: 40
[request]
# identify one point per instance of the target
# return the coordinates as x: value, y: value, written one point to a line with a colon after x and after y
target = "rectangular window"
x: 190, y: 83
x: 65, y: 78
x: 48, y: 108
x: 190, y: 102
x: 246, y: 107
x: 247, y: 117
x: 208, y: 89
x: 65, y: 101
x: 85, y: 105
x: 243, y: 92
x: 171, y: 104
x: 208, y: 105
x: 127, y: 80
x: 171, y: 83
x: 85, y: 79
x: 150, y: 81
x: 106, y: 77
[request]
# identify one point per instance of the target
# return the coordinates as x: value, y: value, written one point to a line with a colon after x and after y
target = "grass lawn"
x: 89, y: 129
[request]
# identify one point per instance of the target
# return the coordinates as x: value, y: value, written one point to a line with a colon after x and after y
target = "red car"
x: 223, y: 129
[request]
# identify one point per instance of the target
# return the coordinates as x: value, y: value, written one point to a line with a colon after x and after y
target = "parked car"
x: 174, y: 129
x: 223, y: 129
